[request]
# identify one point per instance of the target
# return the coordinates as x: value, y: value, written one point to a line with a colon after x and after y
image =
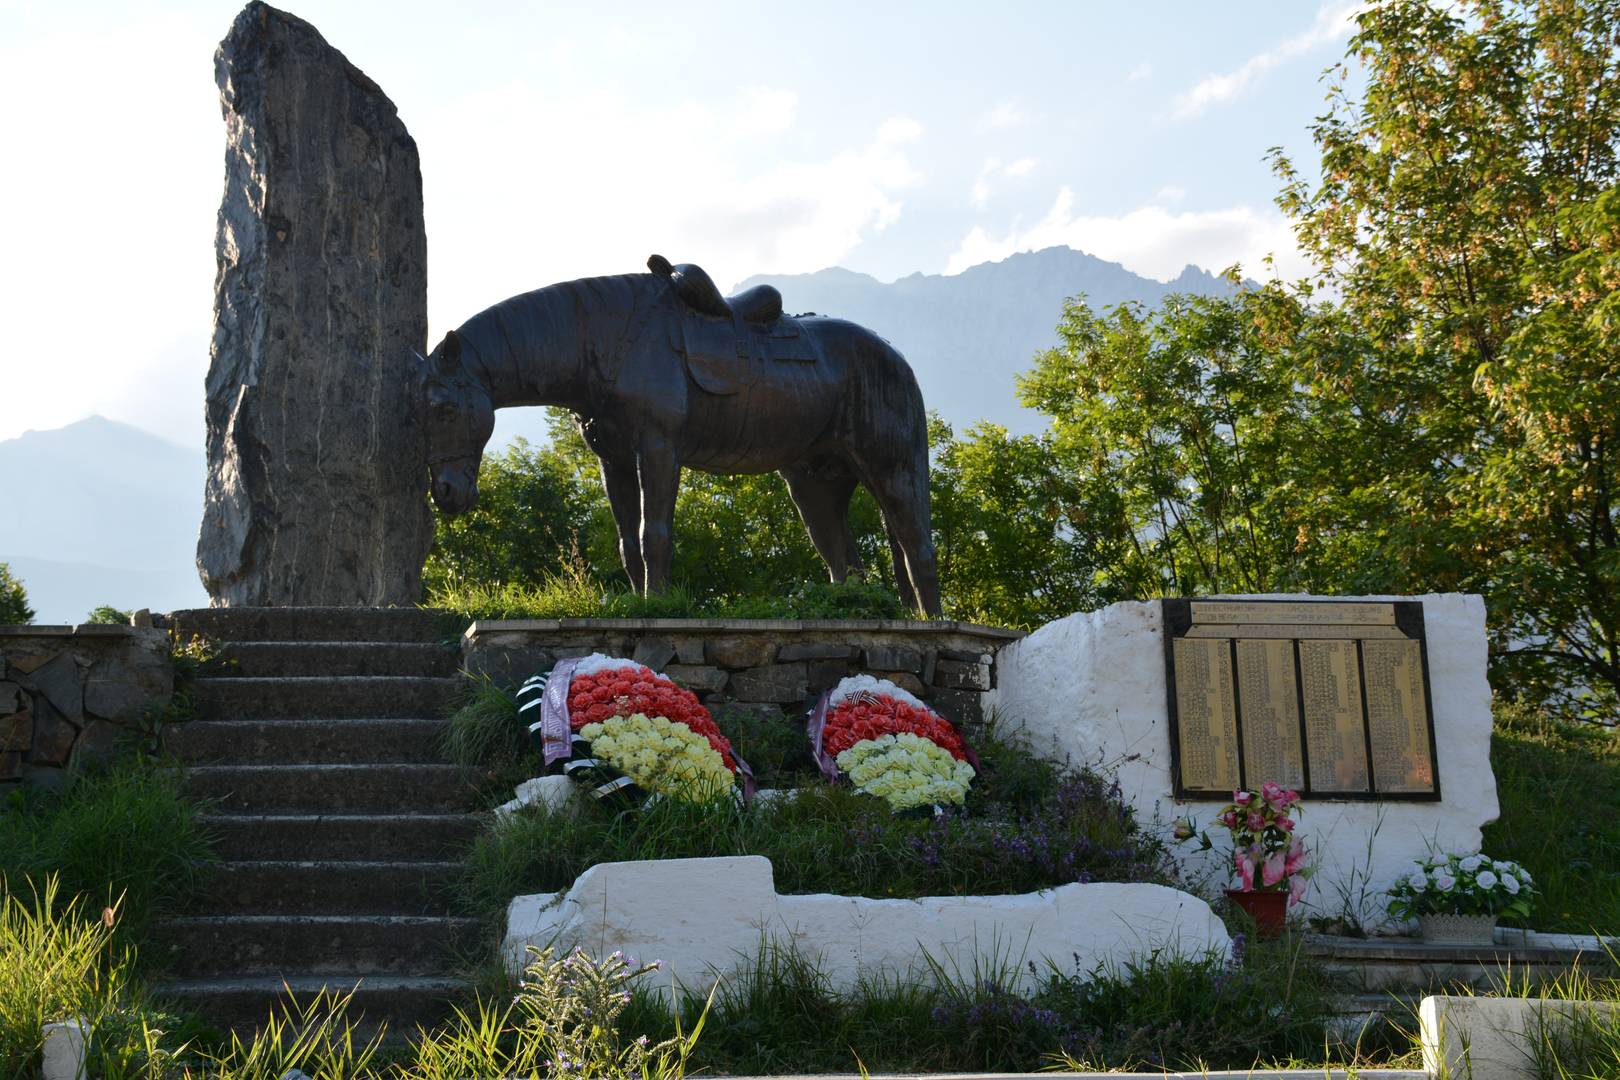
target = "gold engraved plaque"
x: 1396, y: 711
x: 1266, y: 694
x: 1206, y: 715
x: 1335, y: 741
x: 1319, y: 613
x: 1325, y: 696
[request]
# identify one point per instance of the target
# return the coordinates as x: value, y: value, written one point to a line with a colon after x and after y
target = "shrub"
x: 13, y: 599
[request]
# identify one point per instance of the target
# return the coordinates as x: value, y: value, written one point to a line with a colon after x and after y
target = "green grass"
x: 781, y: 1015
x: 577, y: 596
x: 1559, y: 788
x: 123, y: 830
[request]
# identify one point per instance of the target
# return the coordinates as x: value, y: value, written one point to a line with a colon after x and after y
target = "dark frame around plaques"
x: 1177, y: 614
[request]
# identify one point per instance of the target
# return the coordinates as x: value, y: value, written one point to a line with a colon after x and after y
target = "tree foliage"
x: 13, y: 598
x: 1466, y: 216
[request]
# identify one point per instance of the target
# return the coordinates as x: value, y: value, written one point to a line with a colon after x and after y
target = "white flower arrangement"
x: 1469, y: 884
x: 596, y: 662
x: 906, y: 771
x: 869, y: 684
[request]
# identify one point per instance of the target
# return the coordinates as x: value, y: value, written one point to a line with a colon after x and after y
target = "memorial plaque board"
x: 1206, y: 713
x: 1329, y: 697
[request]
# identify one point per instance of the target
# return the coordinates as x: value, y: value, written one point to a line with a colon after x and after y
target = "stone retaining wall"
x: 775, y: 666
x: 67, y: 692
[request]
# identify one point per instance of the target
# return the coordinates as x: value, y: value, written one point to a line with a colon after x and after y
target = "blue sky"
x: 560, y: 140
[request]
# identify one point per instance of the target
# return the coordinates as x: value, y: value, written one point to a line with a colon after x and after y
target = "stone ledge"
x: 82, y: 630
x: 745, y: 626
x: 1415, y: 951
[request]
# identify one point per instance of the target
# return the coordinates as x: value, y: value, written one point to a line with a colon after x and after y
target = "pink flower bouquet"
x: 1266, y: 855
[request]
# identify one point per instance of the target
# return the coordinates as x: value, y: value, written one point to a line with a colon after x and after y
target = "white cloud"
x: 1170, y: 193
x: 1141, y: 71
x: 993, y: 169
x: 612, y: 178
x: 1334, y: 20
x: 766, y: 111
x: 1005, y: 114
x: 1151, y: 240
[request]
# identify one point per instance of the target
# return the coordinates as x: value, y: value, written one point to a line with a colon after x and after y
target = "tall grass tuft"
x: 483, y: 733
x: 59, y: 961
x: 316, y: 1037
x: 123, y: 831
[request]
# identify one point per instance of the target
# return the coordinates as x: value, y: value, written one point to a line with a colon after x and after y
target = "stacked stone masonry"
x: 72, y: 692
x: 773, y: 666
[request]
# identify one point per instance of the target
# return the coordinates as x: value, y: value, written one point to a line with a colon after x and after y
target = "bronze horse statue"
x: 660, y: 372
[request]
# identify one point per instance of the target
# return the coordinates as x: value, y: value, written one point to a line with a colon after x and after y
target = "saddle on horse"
x: 727, y: 339
x: 761, y: 304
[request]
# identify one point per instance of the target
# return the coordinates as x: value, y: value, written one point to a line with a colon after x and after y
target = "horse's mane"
x: 588, y: 313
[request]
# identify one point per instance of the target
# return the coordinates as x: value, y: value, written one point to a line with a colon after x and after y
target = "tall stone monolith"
x: 316, y: 476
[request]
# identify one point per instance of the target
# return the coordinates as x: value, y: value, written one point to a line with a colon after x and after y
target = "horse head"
x: 460, y: 418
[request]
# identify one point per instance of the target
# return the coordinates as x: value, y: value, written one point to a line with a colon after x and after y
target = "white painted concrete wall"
x: 1481, y: 1038
x: 708, y: 917
x: 1091, y: 688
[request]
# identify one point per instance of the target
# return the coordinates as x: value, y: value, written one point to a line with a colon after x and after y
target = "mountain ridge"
x: 968, y: 335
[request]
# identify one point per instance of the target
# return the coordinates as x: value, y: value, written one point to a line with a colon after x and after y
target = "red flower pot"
x: 1269, y: 910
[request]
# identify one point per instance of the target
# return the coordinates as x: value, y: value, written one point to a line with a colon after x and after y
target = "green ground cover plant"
x: 1028, y: 824
x: 572, y: 594
x: 1559, y: 787
x: 118, y: 835
x: 1266, y: 1006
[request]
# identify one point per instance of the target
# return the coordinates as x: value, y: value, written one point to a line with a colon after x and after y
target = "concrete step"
x: 395, y: 837
x: 306, y: 742
x: 317, y: 624
x: 281, y: 698
x: 333, y: 789
x: 330, y: 888
x: 259, y: 659
x: 287, y: 946
x: 404, y: 1002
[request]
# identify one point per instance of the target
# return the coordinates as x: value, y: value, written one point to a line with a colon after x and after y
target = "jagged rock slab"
x: 708, y: 917
x: 317, y: 478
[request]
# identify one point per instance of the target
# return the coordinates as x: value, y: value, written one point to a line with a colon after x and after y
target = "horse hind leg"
x: 902, y: 495
x: 902, y: 577
x: 823, y: 503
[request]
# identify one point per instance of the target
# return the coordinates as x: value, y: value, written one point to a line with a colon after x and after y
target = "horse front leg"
x: 660, y: 474
x: 624, y: 499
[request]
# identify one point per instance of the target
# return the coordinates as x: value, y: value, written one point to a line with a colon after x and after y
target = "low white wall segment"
x: 1481, y: 1038
x: 708, y: 917
x: 1091, y: 688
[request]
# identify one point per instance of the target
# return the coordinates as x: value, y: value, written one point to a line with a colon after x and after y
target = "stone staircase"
x: 338, y: 822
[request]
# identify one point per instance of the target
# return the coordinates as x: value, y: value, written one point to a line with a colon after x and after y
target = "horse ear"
x: 450, y: 353
x: 659, y: 265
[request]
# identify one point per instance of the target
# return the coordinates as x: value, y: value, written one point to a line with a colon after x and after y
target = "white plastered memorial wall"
x: 1092, y: 689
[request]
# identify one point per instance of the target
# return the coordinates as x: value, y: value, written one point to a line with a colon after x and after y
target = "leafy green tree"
x: 107, y: 615
x: 1005, y: 529
x: 1466, y: 218
x: 13, y: 598
x: 535, y: 509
